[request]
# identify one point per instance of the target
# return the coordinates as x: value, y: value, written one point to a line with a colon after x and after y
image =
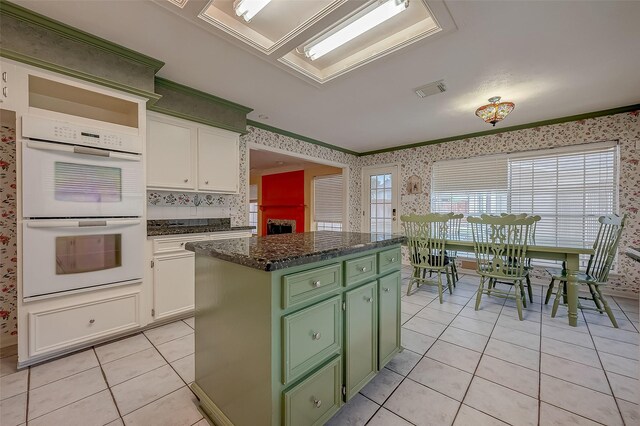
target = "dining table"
x: 569, y: 255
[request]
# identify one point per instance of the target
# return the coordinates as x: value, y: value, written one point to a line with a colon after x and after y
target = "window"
x: 253, y: 208
x: 568, y: 187
x: 327, y: 203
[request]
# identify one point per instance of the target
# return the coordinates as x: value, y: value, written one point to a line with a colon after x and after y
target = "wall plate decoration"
x: 414, y: 185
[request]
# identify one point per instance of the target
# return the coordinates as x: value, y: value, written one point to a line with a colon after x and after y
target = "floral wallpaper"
x: 623, y: 127
x: 186, y: 199
x: 8, y: 249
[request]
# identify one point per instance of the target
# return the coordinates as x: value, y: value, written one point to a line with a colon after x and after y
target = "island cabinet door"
x: 361, y: 337
x: 389, y: 318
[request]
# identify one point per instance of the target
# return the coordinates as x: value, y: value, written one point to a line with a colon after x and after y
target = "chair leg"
x: 449, y: 279
x: 529, y: 289
x: 479, y: 292
x: 549, y: 291
x: 521, y: 295
x: 606, y: 307
x: 489, y: 286
x: 520, y: 299
x: 439, y: 287
x: 454, y: 272
x: 564, y: 293
x: 556, y: 302
x: 411, y: 281
x: 595, y: 297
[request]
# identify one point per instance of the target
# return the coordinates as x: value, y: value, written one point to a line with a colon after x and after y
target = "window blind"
x: 568, y: 187
x: 327, y: 205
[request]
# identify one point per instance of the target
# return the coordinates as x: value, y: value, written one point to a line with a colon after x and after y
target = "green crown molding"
x: 26, y: 15
x: 299, y: 137
x: 18, y: 57
x: 195, y: 119
x: 567, y: 119
x: 163, y: 82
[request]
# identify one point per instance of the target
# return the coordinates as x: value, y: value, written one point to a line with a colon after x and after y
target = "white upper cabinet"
x: 191, y: 157
x: 13, y: 91
x: 218, y: 160
x: 171, y: 154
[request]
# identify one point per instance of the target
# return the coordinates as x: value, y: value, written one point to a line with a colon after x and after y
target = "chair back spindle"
x: 605, y: 246
x: 426, y: 239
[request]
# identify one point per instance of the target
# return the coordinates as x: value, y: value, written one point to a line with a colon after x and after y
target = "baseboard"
x: 209, y: 408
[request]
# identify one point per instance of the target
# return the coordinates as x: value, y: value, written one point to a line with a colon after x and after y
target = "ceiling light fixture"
x: 495, y: 111
x: 249, y: 8
x: 370, y: 18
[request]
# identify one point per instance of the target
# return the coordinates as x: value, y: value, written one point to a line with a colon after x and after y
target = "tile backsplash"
x: 185, y: 205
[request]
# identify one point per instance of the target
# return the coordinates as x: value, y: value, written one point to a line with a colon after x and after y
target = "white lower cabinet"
x: 72, y: 325
x: 173, y: 284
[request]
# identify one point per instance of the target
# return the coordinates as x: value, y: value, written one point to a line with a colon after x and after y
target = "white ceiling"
x: 265, y: 160
x: 552, y: 58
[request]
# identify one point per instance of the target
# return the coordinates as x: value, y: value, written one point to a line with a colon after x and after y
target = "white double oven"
x: 82, y: 203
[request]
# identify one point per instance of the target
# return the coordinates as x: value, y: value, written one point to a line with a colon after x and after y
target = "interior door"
x: 380, y: 193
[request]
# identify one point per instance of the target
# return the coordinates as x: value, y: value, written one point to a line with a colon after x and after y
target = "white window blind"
x: 327, y: 203
x: 568, y: 187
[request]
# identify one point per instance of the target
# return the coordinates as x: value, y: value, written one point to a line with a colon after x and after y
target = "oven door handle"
x: 81, y: 223
x: 48, y: 146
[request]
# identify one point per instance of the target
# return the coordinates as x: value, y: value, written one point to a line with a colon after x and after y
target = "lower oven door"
x: 70, y: 254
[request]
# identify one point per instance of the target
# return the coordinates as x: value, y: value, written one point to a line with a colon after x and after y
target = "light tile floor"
x: 459, y: 366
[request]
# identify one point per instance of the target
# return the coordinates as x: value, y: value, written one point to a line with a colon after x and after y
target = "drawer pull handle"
x: 316, y: 284
x: 181, y: 244
x: 4, y: 91
x: 393, y: 259
x: 369, y: 299
x: 91, y: 321
x: 4, y: 76
x: 317, y: 402
x: 363, y: 269
x: 316, y: 335
x: 386, y: 289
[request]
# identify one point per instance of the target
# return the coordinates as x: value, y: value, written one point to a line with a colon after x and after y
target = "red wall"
x: 283, y: 198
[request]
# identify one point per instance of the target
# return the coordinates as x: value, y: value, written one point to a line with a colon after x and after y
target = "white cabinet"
x: 171, y: 153
x: 13, y: 88
x: 191, y: 157
x: 173, y: 284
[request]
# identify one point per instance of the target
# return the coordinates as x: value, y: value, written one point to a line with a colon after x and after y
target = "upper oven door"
x: 74, y: 181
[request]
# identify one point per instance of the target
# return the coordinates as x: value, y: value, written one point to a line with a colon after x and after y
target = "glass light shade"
x: 249, y: 8
x: 495, y: 111
x: 364, y: 23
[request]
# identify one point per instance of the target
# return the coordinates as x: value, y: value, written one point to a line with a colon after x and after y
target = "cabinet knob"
x: 363, y: 269
x: 317, y: 402
x: 316, y: 284
x: 181, y: 244
x: 393, y: 259
x: 386, y: 289
x: 186, y: 180
x: 91, y: 321
x: 369, y: 299
x: 206, y: 182
x: 316, y: 335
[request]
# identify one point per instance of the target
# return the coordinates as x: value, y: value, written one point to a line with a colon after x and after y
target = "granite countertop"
x: 191, y: 226
x: 282, y: 251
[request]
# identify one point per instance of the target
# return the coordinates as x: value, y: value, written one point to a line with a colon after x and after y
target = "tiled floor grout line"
x: 26, y: 408
x: 169, y: 364
x: 104, y: 376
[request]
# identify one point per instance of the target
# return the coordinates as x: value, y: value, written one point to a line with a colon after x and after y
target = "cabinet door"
x: 173, y: 284
x: 171, y: 153
x: 13, y: 88
x: 218, y: 161
x: 388, y: 318
x: 361, y: 332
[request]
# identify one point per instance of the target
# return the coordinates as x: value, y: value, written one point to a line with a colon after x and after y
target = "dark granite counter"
x: 191, y: 226
x: 282, y: 251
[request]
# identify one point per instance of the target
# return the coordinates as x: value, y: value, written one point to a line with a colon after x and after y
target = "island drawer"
x: 310, y: 285
x: 316, y: 399
x: 389, y: 260
x: 360, y: 269
x: 309, y: 337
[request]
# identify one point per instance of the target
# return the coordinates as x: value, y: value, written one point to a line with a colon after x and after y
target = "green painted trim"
x: 163, y: 82
x: 166, y: 111
x: 69, y: 32
x: 19, y: 57
x: 299, y: 137
x: 567, y: 119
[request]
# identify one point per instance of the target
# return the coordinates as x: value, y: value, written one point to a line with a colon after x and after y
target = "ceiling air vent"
x: 431, y: 89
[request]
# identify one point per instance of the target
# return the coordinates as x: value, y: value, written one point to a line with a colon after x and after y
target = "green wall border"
x: 72, y: 33
x: 299, y: 137
x: 560, y: 120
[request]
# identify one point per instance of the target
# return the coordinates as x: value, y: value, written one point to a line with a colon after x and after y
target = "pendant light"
x: 495, y: 111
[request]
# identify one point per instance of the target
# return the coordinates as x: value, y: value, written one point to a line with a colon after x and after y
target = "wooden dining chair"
x: 597, y: 273
x: 500, y: 246
x: 426, y: 240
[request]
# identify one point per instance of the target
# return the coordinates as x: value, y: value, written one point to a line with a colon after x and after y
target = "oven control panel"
x: 65, y: 132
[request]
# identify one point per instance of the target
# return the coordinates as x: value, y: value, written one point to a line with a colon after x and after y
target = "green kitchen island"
x: 289, y: 327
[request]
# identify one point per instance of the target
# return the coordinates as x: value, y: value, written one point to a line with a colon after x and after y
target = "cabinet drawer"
x: 164, y: 245
x: 360, y: 269
x: 315, y: 400
x: 310, y: 285
x: 309, y: 337
x: 64, y: 327
x: 389, y: 260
